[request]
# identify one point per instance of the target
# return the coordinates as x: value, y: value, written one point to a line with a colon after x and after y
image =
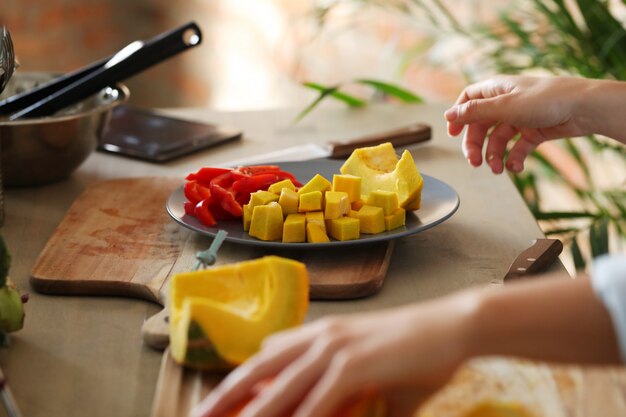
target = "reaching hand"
x: 535, y: 109
x: 318, y: 367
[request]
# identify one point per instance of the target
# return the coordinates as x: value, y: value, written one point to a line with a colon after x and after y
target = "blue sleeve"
x: 608, y: 278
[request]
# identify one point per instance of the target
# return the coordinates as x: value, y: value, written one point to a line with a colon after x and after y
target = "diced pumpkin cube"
x: 315, y: 233
x: 294, y: 228
x: 337, y: 204
x: 316, y: 217
x: 350, y: 184
x: 357, y: 205
x: 353, y: 213
x: 247, y: 217
x: 277, y: 187
x: 317, y: 183
x: 220, y: 316
x: 344, y: 228
x: 395, y: 219
x: 288, y: 200
x: 267, y: 222
x: 311, y: 201
x: 387, y: 200
x: 372, y: 219
x: 261, y: 198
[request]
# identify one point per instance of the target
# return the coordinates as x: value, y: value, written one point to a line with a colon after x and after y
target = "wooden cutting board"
x: 540, y: 389
x: 117, y: 239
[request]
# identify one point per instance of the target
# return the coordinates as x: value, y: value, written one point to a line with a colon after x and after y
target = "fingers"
x: 473, y: 142
x: 531, y: 138
x: 236, y: 388
x: 476, y: 111
x: 332, y: 389
x: 293, y: 384
x: 496, y: 146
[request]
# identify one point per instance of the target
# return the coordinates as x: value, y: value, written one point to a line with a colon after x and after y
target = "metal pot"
x: 48, y: 149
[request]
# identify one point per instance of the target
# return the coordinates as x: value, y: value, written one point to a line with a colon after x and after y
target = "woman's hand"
x: 536, y: 109
x: 320, y: 366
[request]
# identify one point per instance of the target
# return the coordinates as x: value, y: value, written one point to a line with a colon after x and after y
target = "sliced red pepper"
x: 227, y: 200
x: 203, y: 213
x: 257, y: 169
x: 224, y: 180
x: 247, y: 185
x: 196, y: 192
x: 219, y: 213
x: 190, y: 208
x: 206, y: 174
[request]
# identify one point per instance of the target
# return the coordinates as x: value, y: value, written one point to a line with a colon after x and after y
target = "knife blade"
x: 414, y: 133
x: 535, y: 259
x: 10, y: 405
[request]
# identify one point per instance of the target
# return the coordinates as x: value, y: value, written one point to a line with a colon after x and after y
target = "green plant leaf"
x: 579, y: 260
x: 325, y: 92
x: 333, y: 91
x: 400, y: 93
x: 599, y: 238
x: 559, y: 215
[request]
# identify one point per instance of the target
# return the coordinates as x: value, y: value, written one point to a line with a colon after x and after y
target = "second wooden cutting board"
x: 117, y: 239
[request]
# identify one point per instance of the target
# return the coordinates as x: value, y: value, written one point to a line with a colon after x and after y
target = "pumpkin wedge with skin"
x: 380, y: 169
x: 220, y: 316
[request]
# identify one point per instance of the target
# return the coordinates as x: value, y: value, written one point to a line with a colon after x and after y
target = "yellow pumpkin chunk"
x: 288, y: 200
x: 317, y: 183
x: 294, y: 228
x: 349, y: 184
x: 277, y: 187
x: 372, y: 219
x: 316, y: 217
x: 395, y: 219
x: 344, y: 228
x: 247, y: 217
x: 311, y: 201
x: 220, y: 316
x: 387, y: 200
x: 261, y: 198
x: 315, y: 233
x: 380, y: 169
x: 267, y: 222
x: 353, y: 213
x: 337, y: 204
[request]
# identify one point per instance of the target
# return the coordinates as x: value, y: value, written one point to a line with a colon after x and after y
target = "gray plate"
x: 439, y: 202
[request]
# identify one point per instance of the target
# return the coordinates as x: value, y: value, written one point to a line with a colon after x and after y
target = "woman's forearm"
x: 601, y: 106
x: 549, y: 318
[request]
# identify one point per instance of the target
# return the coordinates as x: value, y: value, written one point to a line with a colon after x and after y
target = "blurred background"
x: 257, y: 54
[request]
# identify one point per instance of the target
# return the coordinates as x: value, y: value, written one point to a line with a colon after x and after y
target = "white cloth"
x: 609, y: 282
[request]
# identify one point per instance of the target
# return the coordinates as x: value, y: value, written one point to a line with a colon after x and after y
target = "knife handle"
x: 537, y: 258
x: 415, y: 133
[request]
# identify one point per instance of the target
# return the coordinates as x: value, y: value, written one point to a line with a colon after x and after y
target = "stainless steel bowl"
x: 44, y: 150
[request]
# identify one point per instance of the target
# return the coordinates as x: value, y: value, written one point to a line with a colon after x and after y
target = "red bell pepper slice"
x: 196, y: 192
x: 257, y: 169
x: 203, y: 213
x: 190, y: 208
x: 227, y: 200
x: 206, y: 174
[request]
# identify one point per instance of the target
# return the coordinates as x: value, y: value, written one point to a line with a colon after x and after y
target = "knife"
x: 414, y: 133
x: 535, y: 259
x: 8, y: 399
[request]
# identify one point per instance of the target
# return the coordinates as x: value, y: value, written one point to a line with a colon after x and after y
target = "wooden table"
x: 83, y: 356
